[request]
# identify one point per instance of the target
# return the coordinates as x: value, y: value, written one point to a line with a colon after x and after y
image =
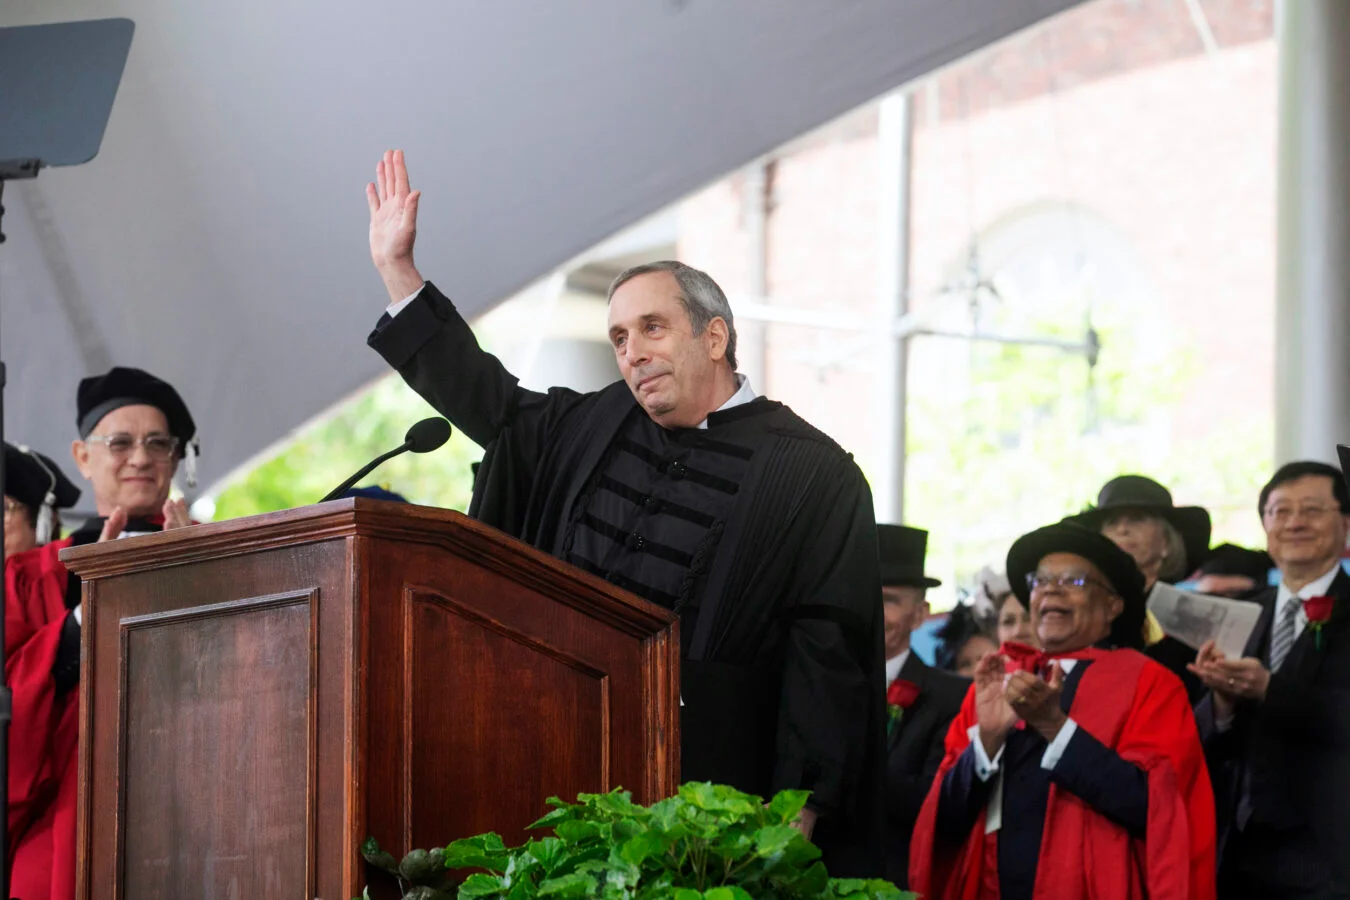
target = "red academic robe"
x: 1139, y: 709
x: 44, y: 734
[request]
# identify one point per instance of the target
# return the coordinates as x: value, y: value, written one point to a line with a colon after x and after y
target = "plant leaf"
x: 785, y: 805
x: 575, y: 885
x: 480, y: 885
x: 728, y: 893
x: 380, y: 859
x: 483, y: 851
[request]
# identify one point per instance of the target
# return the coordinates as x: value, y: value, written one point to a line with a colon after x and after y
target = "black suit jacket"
x: 913, y: 753
x: 1290, y: 753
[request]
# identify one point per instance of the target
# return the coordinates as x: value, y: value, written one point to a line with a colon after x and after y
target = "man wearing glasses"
x: 1276, y: 723
x: 134, y: 430
x: 1073, y: 771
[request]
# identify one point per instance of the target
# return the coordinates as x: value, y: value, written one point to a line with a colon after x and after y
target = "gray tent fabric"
x: 219, y: 239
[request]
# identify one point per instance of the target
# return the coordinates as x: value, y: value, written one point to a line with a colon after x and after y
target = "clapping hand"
x: 393, y: 226
x: 176, y: 514
x: 114, y: 526
x: 1230, y: 679
x: 992, y: 711
x: 1037, y: 701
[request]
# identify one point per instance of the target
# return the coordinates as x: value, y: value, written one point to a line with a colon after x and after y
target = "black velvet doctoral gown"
x: 783, y: 671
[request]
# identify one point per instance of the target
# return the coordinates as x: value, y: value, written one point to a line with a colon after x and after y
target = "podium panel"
x: 231, y: 773
x: 258, y: 696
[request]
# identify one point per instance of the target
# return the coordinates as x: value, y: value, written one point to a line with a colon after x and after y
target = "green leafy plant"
x: 709, y: 841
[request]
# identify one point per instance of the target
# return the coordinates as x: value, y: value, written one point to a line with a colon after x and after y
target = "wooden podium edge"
x: 362, y: 517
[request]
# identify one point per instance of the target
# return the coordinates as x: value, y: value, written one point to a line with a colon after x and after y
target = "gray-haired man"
x: 683, y: 487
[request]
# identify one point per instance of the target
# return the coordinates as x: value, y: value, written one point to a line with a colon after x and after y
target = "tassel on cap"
x: 190, y: 462
x: 45, y: 518
x: 47, y: 511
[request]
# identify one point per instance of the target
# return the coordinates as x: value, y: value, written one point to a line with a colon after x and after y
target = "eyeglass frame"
x: 1311, y: 513
x: 1062, y: 582
x: 143, y: 441
x: 13, y: 507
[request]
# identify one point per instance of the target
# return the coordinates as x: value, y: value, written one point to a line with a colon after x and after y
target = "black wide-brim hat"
x: 902, y: 550
x: 1115, y: 564
x: 1135, y: 492
x: 30, y: 476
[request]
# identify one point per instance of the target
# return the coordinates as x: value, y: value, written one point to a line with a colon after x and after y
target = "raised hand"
x: 393, y: 225
x: 995, y: 717
x: 1037, y: 701
x: 175, y: 514
x: 116, y: 524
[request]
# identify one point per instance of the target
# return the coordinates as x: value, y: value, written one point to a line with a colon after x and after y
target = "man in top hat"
x: 921, y: 700
x: 1074, y: 771
x: 134, y: 429
x: 35, y: 488
x: 1168, y: 543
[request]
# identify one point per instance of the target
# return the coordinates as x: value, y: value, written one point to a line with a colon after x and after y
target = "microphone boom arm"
x: 365, y: 470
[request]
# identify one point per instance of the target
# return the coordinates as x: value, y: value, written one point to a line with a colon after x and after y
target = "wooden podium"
x: 258, y: 696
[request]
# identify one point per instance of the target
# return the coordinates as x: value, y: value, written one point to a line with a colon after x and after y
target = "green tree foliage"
x: 322, y: 454
x: 1013, y: 437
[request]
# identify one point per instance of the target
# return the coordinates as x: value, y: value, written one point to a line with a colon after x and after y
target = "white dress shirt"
x: 895, y: 664
x: 1284, y: 596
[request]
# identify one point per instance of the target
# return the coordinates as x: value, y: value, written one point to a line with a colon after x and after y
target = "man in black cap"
x: 921, y: 700
x: 35, y: 488
x: 134, y: 429
x: 1076, y: 770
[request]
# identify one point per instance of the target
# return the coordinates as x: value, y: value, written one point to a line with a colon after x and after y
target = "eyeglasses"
x: 1037, y: 581
x: 13, y: 507
x: 159, y: 447
x: 1281, y: 514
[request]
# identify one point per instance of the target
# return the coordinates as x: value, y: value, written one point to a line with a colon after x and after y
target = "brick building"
x: 1113, y: 167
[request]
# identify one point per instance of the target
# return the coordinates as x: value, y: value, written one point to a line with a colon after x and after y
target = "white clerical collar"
x: 895, y: 664
x: 744, y: 394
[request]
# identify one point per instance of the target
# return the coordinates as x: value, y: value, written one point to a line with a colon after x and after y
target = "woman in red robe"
x: 1074, y: 772
x: 133, y: 428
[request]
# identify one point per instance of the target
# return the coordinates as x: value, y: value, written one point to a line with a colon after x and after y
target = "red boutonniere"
x: 900, y: 696
x: 1318, y: 611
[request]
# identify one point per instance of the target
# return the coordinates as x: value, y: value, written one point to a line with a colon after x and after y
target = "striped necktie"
x: 1282, y: 639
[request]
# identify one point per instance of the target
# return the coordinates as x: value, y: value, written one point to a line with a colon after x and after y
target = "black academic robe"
x: 914, y: 749
x: 1282, y: 771
x: 782, y: 674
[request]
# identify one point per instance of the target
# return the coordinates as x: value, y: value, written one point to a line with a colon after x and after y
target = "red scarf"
x: 1139, y: 709
x: 1029, y: 659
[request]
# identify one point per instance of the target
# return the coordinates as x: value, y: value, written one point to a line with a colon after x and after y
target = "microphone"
x: 423, y: 437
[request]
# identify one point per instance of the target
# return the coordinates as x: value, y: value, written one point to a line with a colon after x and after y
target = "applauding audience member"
x: 1276, y: 723
x: 1074, y: 771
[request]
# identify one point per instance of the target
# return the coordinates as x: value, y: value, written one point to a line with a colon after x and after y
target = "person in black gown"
x: 680, y: 484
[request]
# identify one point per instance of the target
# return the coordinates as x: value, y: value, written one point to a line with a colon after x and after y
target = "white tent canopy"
x: 219, y: 239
